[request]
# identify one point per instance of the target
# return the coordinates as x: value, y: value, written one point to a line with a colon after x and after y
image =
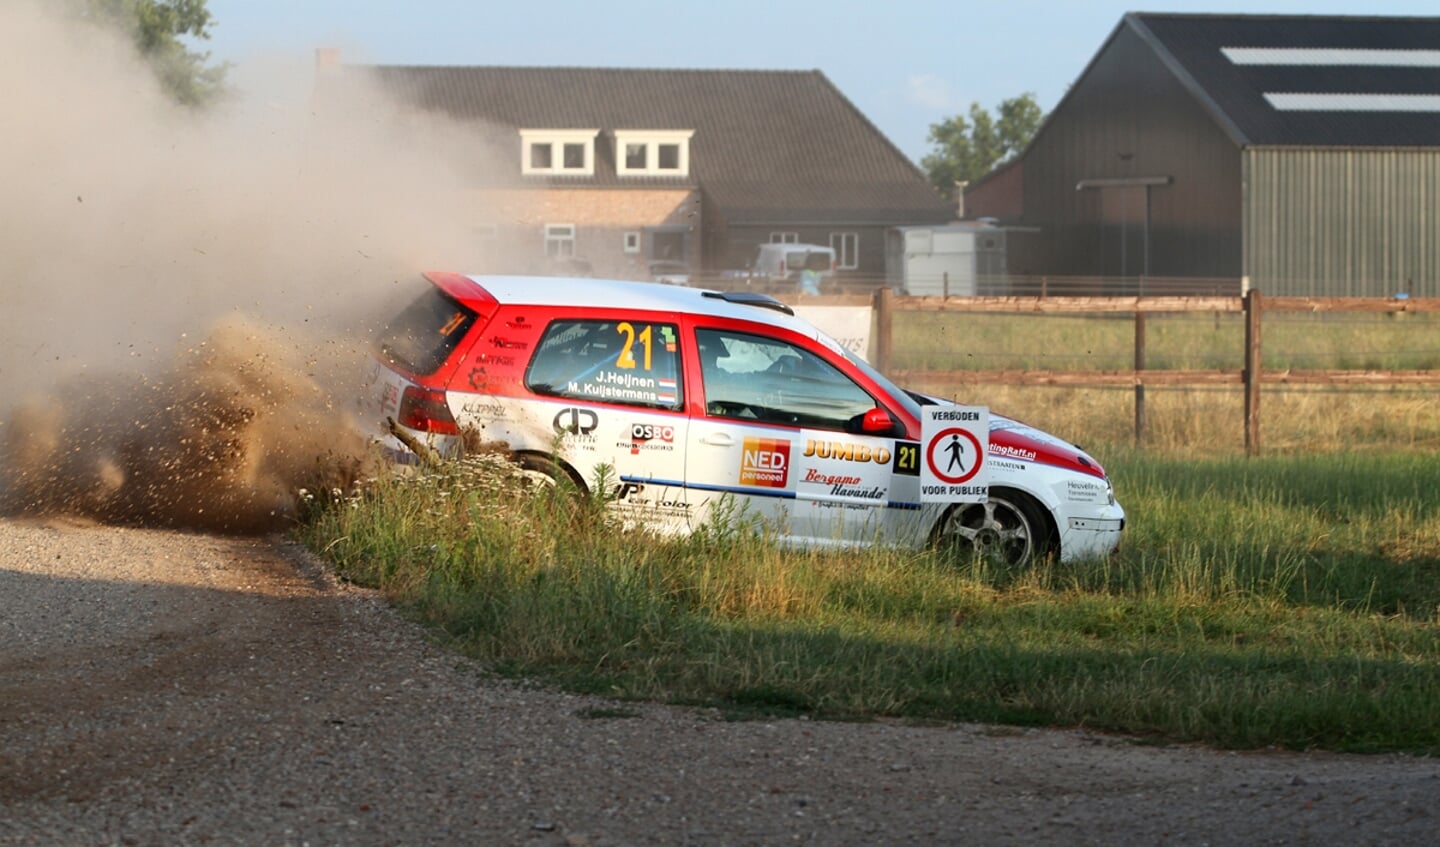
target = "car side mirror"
x: 877, y: 421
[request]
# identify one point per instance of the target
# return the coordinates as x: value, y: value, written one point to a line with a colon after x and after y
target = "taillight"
x: 426, y: 411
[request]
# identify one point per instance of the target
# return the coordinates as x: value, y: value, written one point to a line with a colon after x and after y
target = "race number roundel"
x: 954, y: 455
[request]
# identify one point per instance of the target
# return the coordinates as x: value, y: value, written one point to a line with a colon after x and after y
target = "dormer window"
x: 652, y: 152
x: 558, y: 152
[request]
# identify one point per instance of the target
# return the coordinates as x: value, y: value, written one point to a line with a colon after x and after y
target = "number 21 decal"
x: 907, y: 458
x: 626, y: 359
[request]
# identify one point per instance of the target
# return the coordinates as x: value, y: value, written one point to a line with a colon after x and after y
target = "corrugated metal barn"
x: 1300, y: 153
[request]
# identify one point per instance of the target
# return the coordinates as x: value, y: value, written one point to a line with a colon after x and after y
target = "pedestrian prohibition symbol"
x: 956, y: 440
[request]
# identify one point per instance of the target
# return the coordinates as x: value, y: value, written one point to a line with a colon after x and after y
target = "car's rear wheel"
x: 543, y: 471
x: 1007, y: 529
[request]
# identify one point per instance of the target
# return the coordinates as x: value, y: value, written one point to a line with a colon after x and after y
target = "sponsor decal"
x: 390, y: 397
x: 649, y: 436
x: 765, y: 462
x: 497, y: 361
x: 574, y: 421
x: 1009, y: 466
x: 484, y: 409
x: 815, y: 475
x: 846, y: 452
x: 508, y: 344
x: 1081, y: 491
x: 633, y: 495
x: 1012, y: 452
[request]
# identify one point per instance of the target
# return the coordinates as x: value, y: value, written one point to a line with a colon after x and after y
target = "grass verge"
x: 1289, y: 601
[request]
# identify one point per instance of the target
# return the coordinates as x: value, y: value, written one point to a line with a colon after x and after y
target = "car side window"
x: 755, y: 378
x: 635, y: 362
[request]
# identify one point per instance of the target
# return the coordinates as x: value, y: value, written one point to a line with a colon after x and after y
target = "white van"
x: 780, y: 263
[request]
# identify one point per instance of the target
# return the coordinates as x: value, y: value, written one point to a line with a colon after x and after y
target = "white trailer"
x: 954, y: 260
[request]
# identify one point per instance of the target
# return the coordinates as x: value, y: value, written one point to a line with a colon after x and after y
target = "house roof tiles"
x: 768, y: 145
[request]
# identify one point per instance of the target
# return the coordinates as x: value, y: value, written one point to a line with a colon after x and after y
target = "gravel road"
x: 161, y: 688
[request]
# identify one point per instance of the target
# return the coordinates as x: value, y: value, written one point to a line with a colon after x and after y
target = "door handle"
x: 718, y: 439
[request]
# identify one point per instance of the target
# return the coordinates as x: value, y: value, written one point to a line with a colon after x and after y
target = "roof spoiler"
x: 750, y: 298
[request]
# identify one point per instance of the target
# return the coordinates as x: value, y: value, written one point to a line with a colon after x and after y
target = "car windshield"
x: 901, y: 396
x: 423, y: 336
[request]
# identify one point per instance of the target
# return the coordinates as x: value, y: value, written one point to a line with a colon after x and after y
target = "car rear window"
x: 425, y: 333
x: 635, y: 362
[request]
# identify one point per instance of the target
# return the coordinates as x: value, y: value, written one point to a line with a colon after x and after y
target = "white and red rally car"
x: 691, y: 397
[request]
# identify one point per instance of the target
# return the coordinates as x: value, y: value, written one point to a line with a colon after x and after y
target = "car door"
x: 779, y: 437
x: 615, y: 410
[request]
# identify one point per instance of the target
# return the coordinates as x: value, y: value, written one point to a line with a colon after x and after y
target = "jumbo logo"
x: 847, y: 452
x: 765, y: 462
x: 576, y: 421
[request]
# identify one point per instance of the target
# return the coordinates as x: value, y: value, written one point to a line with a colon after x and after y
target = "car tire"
x: 1008, y: 529
x: 542, y: 470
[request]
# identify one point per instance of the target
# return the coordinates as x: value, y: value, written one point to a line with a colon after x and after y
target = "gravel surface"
x: 167, y: 688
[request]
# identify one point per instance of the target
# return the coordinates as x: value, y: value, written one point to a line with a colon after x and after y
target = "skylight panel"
x: 1335, y: 102
x: 1332, y: 56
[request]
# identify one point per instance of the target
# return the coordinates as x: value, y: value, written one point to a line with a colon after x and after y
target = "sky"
x: 905, y: 64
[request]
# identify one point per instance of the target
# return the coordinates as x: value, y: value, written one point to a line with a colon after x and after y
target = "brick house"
x: 630, y: 171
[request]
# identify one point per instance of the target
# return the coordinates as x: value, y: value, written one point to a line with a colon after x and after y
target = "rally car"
x: 703, y: 403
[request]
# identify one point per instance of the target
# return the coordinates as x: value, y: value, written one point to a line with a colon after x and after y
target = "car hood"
x: 1012, y: 439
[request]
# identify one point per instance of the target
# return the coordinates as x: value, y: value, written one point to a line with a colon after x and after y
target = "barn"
x: 1299, y: 155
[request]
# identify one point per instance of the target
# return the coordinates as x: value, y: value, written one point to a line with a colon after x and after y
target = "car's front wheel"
x: 1008, y: 529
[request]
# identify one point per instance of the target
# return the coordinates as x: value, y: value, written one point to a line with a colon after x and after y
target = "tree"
x: 158, y: 28
x: 966, y: 150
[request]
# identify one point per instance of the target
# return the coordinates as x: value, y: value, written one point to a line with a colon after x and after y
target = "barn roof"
x: 1307, y: 80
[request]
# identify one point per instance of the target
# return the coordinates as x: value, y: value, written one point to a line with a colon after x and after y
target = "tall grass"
x: 1285, y: 601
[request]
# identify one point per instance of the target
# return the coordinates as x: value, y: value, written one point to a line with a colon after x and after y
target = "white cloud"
x: 928, y: 91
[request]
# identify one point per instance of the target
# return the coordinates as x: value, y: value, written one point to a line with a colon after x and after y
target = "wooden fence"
x: 1250, y: 377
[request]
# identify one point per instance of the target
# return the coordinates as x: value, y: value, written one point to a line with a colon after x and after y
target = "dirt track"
x: 165, y: 688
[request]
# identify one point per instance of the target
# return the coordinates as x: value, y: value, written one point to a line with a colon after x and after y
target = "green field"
x: 1287, y: 600
x: 1204, y: 421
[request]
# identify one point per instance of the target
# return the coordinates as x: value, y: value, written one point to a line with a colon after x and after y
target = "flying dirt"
x: 186, y: 295
x: 222, y: 441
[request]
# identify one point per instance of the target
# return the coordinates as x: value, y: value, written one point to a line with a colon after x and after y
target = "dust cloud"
x: 186, y: 297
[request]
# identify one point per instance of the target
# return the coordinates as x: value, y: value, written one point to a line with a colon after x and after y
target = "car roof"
x: 591, y: 293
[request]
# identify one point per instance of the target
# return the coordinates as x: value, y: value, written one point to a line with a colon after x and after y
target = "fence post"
x: 945, y: 283
x: 1253, y: 308
x: 1139, y: 386
x: 884, y: 321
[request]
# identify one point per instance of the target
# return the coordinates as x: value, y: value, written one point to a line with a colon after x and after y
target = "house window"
x: 670, y: 244
x: 653, y: 152
x: 559, y: 240
x: 784, y: 238
x: 847, y: 250
x: 558, y: 152
x: 632, y: 242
